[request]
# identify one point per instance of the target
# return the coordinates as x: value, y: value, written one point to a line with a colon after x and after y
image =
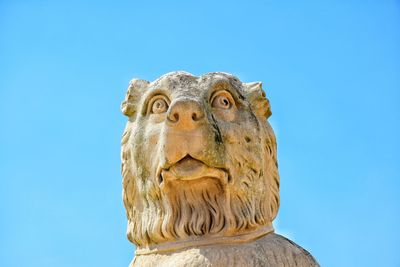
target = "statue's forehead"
x: 183, y: 82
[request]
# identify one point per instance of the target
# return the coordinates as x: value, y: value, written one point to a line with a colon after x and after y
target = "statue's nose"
x: 185, y: 114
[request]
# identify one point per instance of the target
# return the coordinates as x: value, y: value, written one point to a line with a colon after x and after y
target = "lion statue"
x: 200, y: 174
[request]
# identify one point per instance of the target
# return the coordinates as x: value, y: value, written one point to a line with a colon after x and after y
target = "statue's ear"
x: 257, y: 99
x: 135, y: 91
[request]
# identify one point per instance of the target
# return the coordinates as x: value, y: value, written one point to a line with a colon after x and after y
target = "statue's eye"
x: 223, y: 100
x: 158, y: 105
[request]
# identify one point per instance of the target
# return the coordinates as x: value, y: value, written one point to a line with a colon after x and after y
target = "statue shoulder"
x: 285, y: 252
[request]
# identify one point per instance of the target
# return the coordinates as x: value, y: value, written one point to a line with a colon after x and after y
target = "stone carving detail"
x: 200, y: 174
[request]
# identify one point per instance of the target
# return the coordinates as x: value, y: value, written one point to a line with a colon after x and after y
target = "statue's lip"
x: 189, y: 168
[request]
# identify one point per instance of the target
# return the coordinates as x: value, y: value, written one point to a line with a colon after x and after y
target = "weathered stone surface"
x: 200, y: 175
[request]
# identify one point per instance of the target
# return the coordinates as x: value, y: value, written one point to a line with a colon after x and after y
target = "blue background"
x: 330, y: 68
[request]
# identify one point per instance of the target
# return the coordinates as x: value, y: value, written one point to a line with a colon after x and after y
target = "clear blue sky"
x: 330, y: 68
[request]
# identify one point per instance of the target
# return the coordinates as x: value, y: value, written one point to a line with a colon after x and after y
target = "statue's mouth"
x: 189, y: 168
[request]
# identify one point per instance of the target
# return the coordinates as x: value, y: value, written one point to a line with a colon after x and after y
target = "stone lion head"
x: 198, y: 158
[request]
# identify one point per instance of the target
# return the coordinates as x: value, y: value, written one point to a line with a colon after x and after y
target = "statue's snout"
x: 185, y: 114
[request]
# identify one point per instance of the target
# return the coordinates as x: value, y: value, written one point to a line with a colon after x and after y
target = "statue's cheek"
x: 151, y: 146
x: 152, y: 139
x: 226, y: 115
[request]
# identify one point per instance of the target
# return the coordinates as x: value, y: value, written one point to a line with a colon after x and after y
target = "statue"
x: 200, y: 174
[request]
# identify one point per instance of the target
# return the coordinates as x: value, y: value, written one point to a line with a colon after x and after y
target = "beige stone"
x: 200, y: 175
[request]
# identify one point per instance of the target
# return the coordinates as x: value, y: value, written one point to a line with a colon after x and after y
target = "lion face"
x: 198, y: 158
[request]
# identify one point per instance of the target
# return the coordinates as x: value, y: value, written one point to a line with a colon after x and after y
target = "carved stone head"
x: 198, y: 158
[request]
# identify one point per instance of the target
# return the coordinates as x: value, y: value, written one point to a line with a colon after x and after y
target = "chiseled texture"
x: 271, y: 250
x: 200, y: 174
